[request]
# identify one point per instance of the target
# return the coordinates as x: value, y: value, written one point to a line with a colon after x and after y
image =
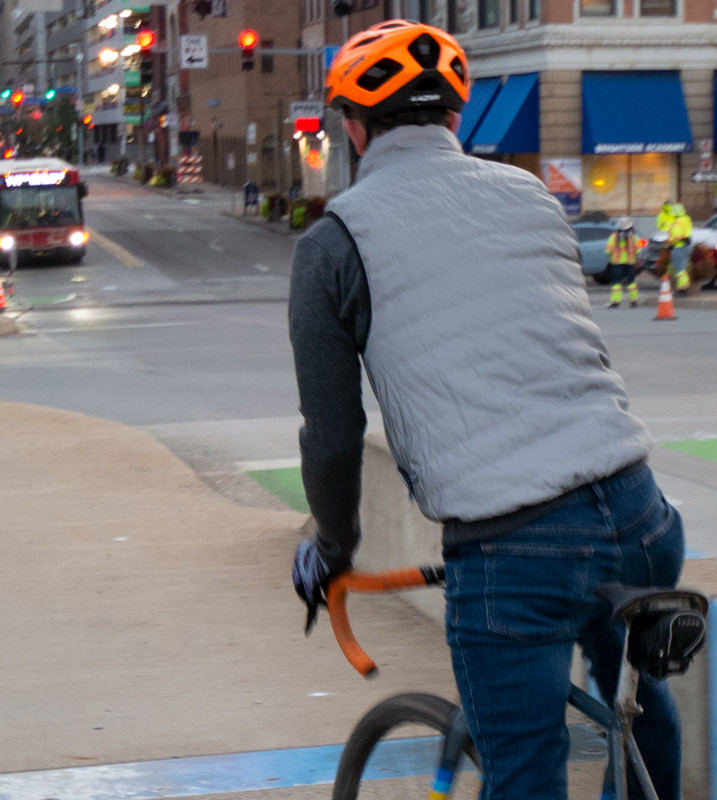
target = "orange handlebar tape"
x: 363, y: 582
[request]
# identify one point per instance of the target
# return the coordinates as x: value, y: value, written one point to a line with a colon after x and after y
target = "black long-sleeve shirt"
x: 329, y: 320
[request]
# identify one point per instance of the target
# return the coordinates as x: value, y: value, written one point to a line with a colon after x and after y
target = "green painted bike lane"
x: 285, y: 483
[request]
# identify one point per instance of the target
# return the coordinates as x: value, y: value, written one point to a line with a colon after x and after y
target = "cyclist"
x: 457, y: 282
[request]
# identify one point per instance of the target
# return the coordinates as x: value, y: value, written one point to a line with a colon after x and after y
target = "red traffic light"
x: 87, y: 121
x: 248, y: 39
x: 145, y: 39
x: 307, y: 124
x: 17, y: 97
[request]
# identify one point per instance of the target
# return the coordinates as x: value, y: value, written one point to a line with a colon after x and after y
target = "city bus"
x: 41, y: 210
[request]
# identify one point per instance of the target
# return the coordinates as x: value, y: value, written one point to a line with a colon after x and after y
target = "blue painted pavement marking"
x: 181, y: 777
x: 207, y: 775
x: 239, y: 772
x: 691, y: 553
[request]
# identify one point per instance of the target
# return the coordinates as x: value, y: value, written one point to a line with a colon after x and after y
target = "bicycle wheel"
x: 376, y: 764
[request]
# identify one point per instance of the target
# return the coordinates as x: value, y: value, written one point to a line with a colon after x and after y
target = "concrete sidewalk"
x: 145, y: 617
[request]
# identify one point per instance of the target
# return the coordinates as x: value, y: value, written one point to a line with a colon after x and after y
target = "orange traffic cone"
x: 3, y: 300
x: 665, y: 306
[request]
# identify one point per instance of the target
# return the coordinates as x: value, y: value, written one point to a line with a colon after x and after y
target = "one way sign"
x: 194, y: 51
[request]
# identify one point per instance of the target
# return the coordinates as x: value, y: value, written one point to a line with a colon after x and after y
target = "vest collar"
x: 406, y: 137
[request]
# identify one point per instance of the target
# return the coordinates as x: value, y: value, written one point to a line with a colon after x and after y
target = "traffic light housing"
x: 17, y: 97
x: 146, y: 69
x: 146, y: 39
x: 248, y: 40
x: 203, y: 8
x: 341, y: 8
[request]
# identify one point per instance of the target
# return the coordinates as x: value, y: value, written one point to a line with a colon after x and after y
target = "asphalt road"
x: 176, y: 323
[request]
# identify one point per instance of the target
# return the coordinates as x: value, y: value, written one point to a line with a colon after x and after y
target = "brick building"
x: 241, y: 114
x: 610, y: 101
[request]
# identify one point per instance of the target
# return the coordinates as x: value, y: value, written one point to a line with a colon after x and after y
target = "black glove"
x: 310, y: 576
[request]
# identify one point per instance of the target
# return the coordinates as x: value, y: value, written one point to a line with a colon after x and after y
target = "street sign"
x: 330, y: 51
x: 306, y: 108
x: 194, y: 51
x: 704, y: 177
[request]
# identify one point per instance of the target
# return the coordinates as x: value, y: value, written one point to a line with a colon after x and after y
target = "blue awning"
x: 482, y: 93
x: 511, y: 124
x: 634, y: 112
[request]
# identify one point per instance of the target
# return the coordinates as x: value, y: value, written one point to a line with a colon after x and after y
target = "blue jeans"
x: 517, y: 604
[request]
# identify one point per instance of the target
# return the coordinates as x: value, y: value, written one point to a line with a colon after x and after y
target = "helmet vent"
x: 457, y: 67
x: 427, y: 85
x: 426, y: 50
x: 378, y: 74
x: 388, y: 26
x: 364, y: 42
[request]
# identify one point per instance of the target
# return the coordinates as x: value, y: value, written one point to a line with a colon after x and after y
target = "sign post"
x: 231, y: 165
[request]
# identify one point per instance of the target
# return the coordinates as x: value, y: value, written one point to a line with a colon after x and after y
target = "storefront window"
x: 627, y: 184
x: 488, y: 13
x: 461, y: 16
x: 657, y: 8
x: 597, y: 8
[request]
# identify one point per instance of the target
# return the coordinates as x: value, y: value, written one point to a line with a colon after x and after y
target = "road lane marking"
x: 267, y: 463
x: 121, y: 327
x: 115, y: 250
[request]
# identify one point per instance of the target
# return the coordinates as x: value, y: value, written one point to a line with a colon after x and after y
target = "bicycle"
x: 665, y: 627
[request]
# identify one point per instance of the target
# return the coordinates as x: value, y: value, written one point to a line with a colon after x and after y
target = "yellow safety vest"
x: 621, y: 249
x: 665, y: 220
x: 680, y: 231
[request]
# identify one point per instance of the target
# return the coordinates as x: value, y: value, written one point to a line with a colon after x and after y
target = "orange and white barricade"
x: 189, y: 169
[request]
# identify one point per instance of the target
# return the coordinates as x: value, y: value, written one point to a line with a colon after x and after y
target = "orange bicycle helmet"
x: 398, y: 65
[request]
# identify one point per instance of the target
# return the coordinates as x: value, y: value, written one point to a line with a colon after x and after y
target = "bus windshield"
x: 39, y: 206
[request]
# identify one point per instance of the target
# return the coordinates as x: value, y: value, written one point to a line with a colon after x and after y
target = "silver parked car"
x: 592, y: 239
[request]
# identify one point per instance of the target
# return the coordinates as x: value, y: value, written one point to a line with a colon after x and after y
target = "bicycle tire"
x: 428, y: 710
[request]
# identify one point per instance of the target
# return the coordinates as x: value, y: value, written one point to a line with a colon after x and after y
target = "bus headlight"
x: 78, y: 238
x: 7, y: 243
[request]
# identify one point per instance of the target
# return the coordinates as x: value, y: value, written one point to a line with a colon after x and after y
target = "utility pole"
x: 80, y: 109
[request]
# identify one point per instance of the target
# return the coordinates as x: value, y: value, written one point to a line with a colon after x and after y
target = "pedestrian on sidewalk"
x: 622, y: 249
x: 457, y: 282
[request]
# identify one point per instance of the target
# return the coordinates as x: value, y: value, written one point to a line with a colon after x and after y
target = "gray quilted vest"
x: 493, y: 381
